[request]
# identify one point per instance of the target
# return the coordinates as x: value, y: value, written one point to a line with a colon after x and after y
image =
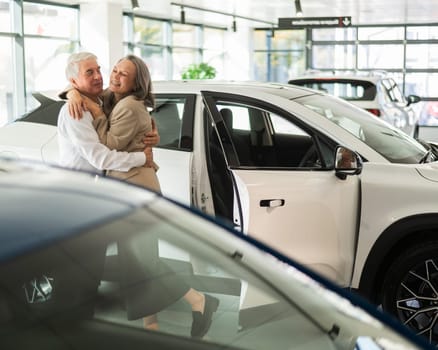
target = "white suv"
x: 378, y: 94
x: 315, y: 177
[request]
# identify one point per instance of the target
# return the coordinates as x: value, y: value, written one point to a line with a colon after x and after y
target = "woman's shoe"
x: 202, y: 321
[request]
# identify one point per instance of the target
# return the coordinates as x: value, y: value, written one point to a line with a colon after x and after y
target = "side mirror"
x: 413, y: 99
x: 347, y: 162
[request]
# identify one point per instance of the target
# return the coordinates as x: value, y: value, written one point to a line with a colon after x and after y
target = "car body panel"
x: 174, y: 173
x: 33, y: 139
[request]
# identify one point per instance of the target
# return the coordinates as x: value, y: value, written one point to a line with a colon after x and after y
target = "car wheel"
x: 410, y: 290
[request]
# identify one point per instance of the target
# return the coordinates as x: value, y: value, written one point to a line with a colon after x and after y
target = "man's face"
x: 89, y: 80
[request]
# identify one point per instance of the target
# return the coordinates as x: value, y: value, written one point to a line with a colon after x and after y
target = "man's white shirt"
x: 80, y: 148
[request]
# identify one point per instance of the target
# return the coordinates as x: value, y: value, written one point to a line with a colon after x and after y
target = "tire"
x: 410, y: 289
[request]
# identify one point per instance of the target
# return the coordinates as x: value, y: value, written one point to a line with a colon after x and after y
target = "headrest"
x: 227, y: 115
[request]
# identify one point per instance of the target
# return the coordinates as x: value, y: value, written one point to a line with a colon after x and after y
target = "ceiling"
x: 361, y: 11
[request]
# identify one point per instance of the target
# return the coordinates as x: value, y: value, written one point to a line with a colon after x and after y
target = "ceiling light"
x: 135, y: 5
x: 298, y: 9
x: 183, y: 15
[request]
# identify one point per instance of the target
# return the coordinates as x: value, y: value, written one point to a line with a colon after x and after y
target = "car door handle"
x: 272, y: 203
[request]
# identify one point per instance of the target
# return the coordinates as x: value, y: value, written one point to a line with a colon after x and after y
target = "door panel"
x: 174, y: 173
x: 311, y: 217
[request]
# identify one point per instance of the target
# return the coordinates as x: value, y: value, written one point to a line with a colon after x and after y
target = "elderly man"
x: 79, y: 143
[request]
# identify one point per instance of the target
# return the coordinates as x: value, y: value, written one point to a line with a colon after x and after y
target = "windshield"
x: 390, y: 142
x: 102, y: 282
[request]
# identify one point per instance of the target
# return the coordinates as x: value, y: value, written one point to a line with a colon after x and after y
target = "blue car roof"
x: 33, y: 217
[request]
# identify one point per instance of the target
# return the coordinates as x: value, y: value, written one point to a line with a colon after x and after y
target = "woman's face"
x: 122, y: 78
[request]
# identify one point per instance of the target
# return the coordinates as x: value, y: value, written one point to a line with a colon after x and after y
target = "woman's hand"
x: 92, y: 107
x: 76, y: 104
x: 152, y: 138
x: 149, y: 157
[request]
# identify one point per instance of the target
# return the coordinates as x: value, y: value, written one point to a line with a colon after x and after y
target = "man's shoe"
x: 202, y: 321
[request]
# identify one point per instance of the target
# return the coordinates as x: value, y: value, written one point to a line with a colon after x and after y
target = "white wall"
x: 101, y: 32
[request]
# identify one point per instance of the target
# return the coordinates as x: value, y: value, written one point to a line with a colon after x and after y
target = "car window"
x: 100, y: 284
x: 263, y: 138
x: 174, y: 119
x: 348, y: 89
x: 390, y: 142
x: 283, y: 126
x: 393, y: 91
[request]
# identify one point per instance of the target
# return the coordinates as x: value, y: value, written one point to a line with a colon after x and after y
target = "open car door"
x: 273, y: 176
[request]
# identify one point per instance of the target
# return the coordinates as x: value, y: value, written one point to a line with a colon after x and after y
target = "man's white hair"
x: 72, y: 69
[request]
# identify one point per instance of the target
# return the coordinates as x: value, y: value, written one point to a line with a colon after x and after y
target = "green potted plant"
x: 199, y: 71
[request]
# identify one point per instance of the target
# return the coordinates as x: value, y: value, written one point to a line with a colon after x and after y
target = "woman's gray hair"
x: 143, y: 82
x: 72, y: 69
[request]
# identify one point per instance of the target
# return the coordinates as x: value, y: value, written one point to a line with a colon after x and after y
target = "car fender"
x: 392, y: 195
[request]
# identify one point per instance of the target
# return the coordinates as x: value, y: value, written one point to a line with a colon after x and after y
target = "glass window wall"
x: 421, y: 56
x: 380, y: 33
x: 7, y: 81
x: 334, y: 34
x: 169, y: 47
x: 334, y: 57
x: 279, y: 55
x: 5, y: 16
x: 33, y: 60
x: 56, y: 29
x: 408, y: 53
x: 380, y: 57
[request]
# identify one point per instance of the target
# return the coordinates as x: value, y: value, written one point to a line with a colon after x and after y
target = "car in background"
x: 429, y: 114
x: 379, y: 95
x: 34, y: 135
x: 60, y: 275
x: 313, y: 176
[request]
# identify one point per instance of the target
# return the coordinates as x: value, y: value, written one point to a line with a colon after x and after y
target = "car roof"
x: 57, y: 203
x: 237, y: 87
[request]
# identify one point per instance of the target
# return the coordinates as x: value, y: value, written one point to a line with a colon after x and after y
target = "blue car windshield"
x: 390, y: 142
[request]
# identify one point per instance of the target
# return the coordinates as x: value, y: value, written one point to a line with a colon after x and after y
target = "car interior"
x: 168, y: 122
x: 259, y: 139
